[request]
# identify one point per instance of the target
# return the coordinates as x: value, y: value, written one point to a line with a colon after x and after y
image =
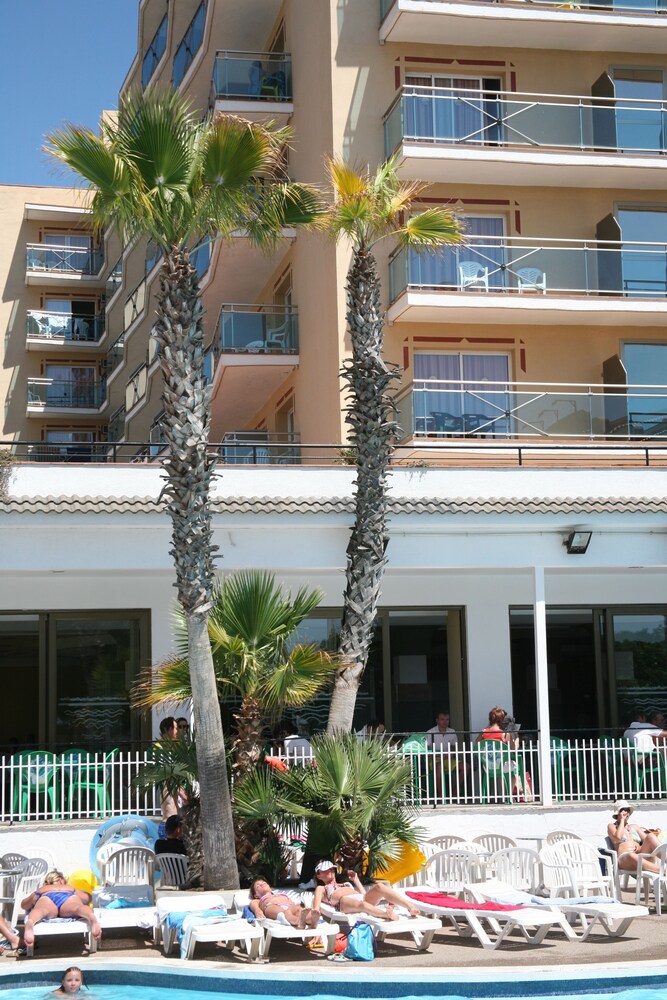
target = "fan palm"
x: 368, y: 208
x: 159, y: 172
x: 352, y: 799
x: 251, y: 626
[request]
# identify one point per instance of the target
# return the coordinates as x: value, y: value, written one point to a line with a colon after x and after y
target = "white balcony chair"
x: 531, y: 279
x: 473, y: 275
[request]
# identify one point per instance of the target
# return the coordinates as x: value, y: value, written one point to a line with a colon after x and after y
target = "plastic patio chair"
x: 173, y: 870
x: 444, y: 842
x: 34, y: 773
x: 473, y: 275
x: 531, y: 279
x: 130, y: 866
x: 518, y: 866
x: 449, y: 871
x: 567, y: 765
x: 91, y: 781
x: 492, y: 842
x: 497, y: 770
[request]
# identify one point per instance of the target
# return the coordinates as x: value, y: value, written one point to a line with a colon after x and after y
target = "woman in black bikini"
x: 57, y: 899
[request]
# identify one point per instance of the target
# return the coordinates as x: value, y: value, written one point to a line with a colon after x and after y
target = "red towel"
x: 452, y: 903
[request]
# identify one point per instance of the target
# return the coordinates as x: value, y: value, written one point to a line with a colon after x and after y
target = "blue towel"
x: 175, y: 918
x: 125, y: 904
x: 248, y: 915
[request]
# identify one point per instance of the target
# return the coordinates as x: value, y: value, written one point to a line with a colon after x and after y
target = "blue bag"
x: 360, y: 943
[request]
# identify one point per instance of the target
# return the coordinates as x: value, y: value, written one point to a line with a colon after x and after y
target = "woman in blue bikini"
x: 57, y: 899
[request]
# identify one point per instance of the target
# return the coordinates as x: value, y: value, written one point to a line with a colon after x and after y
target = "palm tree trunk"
x: 370, y: 415
x: 189, y: 471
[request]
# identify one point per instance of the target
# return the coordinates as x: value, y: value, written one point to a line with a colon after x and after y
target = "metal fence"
x: 74, y: 785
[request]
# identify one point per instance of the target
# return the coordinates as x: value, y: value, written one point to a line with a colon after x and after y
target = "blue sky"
x: 60, y: 60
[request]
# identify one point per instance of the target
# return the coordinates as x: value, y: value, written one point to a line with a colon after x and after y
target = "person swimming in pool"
x: 264, y: 902
x: 71, y: 984
x: 57, y: 899
x: 352, y: 897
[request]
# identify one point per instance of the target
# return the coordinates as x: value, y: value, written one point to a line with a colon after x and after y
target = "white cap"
x: 324, y: 866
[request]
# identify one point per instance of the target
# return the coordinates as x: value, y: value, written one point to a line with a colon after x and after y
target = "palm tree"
x: 251, y: 627
x: 352, y: 799
x: 368, y: 208
x: 159, y: 172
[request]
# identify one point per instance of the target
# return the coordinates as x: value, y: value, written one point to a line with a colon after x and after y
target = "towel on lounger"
x: 452, y: 903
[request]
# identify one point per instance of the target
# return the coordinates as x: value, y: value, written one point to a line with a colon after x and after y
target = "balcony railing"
x: 455, y: 408
x: 63, y: 259
x: 135, y: 390
x: 446, y: 116
x: 260, y: 448
x: 257, y: 329
x: 67, y: 394
x: 633, y: 7
x: 64, y: 326
x: 114, y: 279
x: 80, y: 785
x: 116, y: 428
x: 65, y: 451
x: 252, y: 76
x: 532, y: 265
x: 115, y: 354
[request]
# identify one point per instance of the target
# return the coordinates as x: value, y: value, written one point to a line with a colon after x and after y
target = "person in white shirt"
x: 440, y: 737
x: 645, y: 732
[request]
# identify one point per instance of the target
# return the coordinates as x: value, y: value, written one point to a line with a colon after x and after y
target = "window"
x: 646, y: 365
x: 153, y: 255
x: 72, y: 385
x: 201, y: 258
x: 187, y: 50
x: 468, y: 267
x: 452, y: 395
x: 644, y: 267
x: 466, y: 111
x: 154, y: 53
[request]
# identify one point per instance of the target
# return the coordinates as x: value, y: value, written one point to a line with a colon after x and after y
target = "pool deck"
x: 643, y: 943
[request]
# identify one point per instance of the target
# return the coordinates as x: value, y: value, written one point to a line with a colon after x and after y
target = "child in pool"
x: 72, y: 984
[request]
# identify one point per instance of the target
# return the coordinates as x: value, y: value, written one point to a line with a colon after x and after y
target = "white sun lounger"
x: 226, y: 931
x: 533, y: 922
x: 284, y: 932
x: 421, y: 928
x: 128, y: 918
x: 608, y: 914
x: 63, y: 927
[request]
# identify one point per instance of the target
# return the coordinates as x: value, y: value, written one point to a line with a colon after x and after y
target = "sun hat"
x: 623, y: 804
x: 324, y: 866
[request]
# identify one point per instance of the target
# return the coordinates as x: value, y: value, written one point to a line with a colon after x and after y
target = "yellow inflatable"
x: 83, y: 879
x: 409, y: 861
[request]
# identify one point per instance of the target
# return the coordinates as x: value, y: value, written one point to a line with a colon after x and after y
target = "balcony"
x: 62, y: 329
x: 116, y: 428
x: 135, y: 390
x: 54, y: 396
x: 114, y: 280
x: 257, y: 85
x: 260, y: 448
x: 256, y: 348
x: 49, y: 264
x: 527, y: 281
x: 115, y: 355
x: 439, y: 409
x: 468, y: 136
x: 615, y: 26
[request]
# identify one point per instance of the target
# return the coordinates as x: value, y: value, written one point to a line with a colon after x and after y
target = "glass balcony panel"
x: 116, y: 428
x: 256, y: 76
x: 260, y: 448
x: 68, y: 393
x: 115, y: 278
x: 42, y: 325
x: 273, y: 330
x: 115, y: 354
x: 526, y: 265
x: 63, y: 259
x: 448, y: 116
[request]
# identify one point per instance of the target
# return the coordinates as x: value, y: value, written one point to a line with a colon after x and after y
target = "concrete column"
x: 542, y: 686
x: 488, y: 652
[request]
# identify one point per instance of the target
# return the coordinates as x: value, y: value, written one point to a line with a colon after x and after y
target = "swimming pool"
x: 161, y: 992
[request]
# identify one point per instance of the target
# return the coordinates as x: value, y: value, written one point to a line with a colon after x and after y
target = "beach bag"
x: 360, y: 943
x: 341, y: 944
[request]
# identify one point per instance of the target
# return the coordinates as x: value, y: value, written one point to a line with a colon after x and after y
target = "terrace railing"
x: 63, y: 259
x: 66, y: 393
x: 455, y: 408
x: 534, y: 266
x: 447, y: 116
x: 46, y: 326
x: 252, y: 76
x: 257, y: 329
x: 260, y: 448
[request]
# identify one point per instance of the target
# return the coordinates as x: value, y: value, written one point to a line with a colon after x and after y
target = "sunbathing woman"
x: 57, y: 899
x: 264, y: 902
x: 629, y: 839
x: 351, y: 897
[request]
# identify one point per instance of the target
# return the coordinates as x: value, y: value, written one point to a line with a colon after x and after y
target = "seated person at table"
x: 57, y: 899
x: 497, y: 730
x: 352, y: 897
x: 629, y: 839
x: 264, y: 902
x: 172, y: 843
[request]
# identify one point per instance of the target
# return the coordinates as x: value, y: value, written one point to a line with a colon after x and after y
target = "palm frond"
x: 433, y: 228
x: 296, y: 679
x: 348, y: 182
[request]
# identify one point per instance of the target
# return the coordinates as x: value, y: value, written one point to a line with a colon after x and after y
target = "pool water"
x: 128, y: 992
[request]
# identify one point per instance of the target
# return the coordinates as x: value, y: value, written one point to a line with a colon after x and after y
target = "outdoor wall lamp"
x: 577, y: 542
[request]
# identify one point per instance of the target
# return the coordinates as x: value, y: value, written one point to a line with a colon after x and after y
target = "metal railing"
x: 66, y: 393
x: 252, y: 76
x: 135, y: 390
x: 260, y: 448
x: 115, y: 354
x: 114, y: 279
x: 257, y: 329
x: 458, y: 408
x: 66, y: 326
x: 636, y: 8
x: 134, y: 304
x: 63, y: 259
x: 423, y: 453
x: 116, y: 426
x: 530, y: 265
x: 449, y: 116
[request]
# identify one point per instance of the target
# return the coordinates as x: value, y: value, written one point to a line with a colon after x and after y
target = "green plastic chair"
x: 641, y: 769
x: 92, y: 779
x: 496, y: 769
x: 417, y: 745
x: 34, y: 774
x: 566, y: 769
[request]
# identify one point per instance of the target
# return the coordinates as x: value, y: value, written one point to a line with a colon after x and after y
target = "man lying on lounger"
x: 352, y: 897
x: 57, y: 899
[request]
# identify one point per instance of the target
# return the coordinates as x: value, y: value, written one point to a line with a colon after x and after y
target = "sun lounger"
x: 532, y: 922
x: 221, y: 930
x: 284, y: 932
x: 420, y: 928
x: 128, y: 918
x: 612, y: 917
x: 63, y: 927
